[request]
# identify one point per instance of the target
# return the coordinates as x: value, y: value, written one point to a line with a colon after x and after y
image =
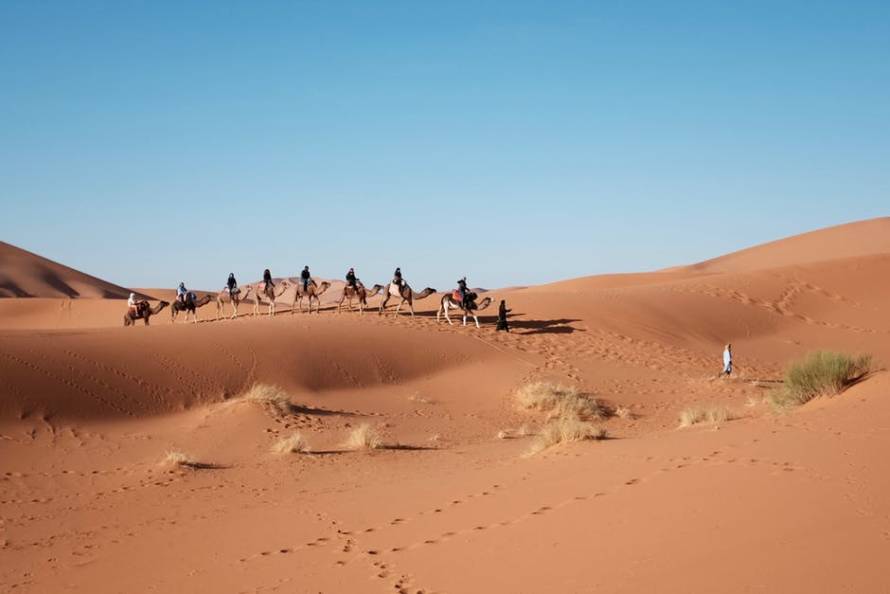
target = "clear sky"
x: 514, y: 142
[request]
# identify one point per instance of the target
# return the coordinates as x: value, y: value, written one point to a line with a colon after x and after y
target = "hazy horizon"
x: 515, y: 143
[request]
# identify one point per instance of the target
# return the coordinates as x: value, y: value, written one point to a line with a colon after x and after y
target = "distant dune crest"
x: 24, y: 274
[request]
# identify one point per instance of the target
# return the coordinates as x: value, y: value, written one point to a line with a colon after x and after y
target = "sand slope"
x: 772, y: 503
x: 23, y: 274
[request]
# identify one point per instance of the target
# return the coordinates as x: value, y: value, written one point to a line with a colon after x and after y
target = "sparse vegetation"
x: 270, y: 397
x: 364, y: 437
x: 175, y: 459
x: 624, y: 412
x: 569, y: 413
x: 293, y: 444
x: 564, y: 430
x: 822, y: 373
x: 560, y: 401
x: 711, y: 415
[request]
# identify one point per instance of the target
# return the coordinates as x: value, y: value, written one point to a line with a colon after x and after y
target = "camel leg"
x: 465, y: 318
x: 411, y: 305
x: 218, y: 309
x: 477, y: 320
x: 383, y: 305
x: 447, y: 317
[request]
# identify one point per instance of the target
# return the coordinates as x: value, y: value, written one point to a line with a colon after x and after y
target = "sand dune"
x: 798, y: 501
x: 23, y: 274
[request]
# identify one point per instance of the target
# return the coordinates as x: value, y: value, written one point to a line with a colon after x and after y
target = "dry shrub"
x: 560, y: 401
x: 822, y: 373
x: 565, y: 430
x: 293, y: 444
x: 505, y: 434
x: 711, y: 415
x: 175, y: 459
x: 270, y: 397
x: 623, y: 412
x: 364, y: 437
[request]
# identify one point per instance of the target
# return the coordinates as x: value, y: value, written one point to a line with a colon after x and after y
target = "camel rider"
x: 463, y: 291
x: 232, y: 284
x: 305, y: 277
x: 182, y: 293
x: 350, y: 278
x: 267, y: 281
x: 134, y: 304
x: 397, y: 278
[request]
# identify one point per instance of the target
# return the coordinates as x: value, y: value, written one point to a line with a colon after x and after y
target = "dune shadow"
x: 58, y: 284
x: 14, y: 289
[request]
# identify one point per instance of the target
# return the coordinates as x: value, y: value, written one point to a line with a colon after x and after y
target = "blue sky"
x: 514, y: 142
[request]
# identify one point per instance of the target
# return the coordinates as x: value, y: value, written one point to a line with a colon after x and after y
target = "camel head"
x: 425, y: 293
x: 374, y: 290
x: 324, y: 286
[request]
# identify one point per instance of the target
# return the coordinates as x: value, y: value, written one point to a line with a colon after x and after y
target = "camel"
x: 191, y: 305
x: 452, y: 301
x: 224, y: 297
x: 143, y: 311
x: 313, y: 291
x: 271, y: 293
x: 360, y: 293
x: 406, y: 295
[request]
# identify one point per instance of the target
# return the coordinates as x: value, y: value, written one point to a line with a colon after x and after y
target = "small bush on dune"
x: 364, y: 437
x: 712, y: 415
x: 560, y: 401
x: 179, y: 459
x: 565, y: 430
x: 271, y: 397
x: 293, y: 444
x: 822, y: 373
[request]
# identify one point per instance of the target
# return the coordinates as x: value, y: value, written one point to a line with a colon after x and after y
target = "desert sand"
x: 452, y: 501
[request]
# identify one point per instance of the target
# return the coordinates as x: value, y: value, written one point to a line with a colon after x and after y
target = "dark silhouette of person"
x: 502, y: 316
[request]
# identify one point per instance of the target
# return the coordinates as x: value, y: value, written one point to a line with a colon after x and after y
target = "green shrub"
x: 822, y: 373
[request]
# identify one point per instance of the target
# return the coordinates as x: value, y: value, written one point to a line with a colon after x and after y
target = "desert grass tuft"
x: 822, y: 373
x: 175, y: 459
x: 292, y: 444
x: 270, y: 397
x: 560, y: 401
x: 364, y: 437
x: 565, y: 430
x: 711, y: 415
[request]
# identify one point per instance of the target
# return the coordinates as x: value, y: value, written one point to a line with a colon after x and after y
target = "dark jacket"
x: 350, y: 278
x: 267, y: 277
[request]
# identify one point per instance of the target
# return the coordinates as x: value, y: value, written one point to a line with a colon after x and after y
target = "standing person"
x: 350, y: 278
x: 502, y: 316
x: 305, y: 276
x: 727, y: 360
x: 232, y: 284
x: 267, y: 281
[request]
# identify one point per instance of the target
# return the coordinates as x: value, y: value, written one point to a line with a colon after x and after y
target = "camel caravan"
x: 268, y: 292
